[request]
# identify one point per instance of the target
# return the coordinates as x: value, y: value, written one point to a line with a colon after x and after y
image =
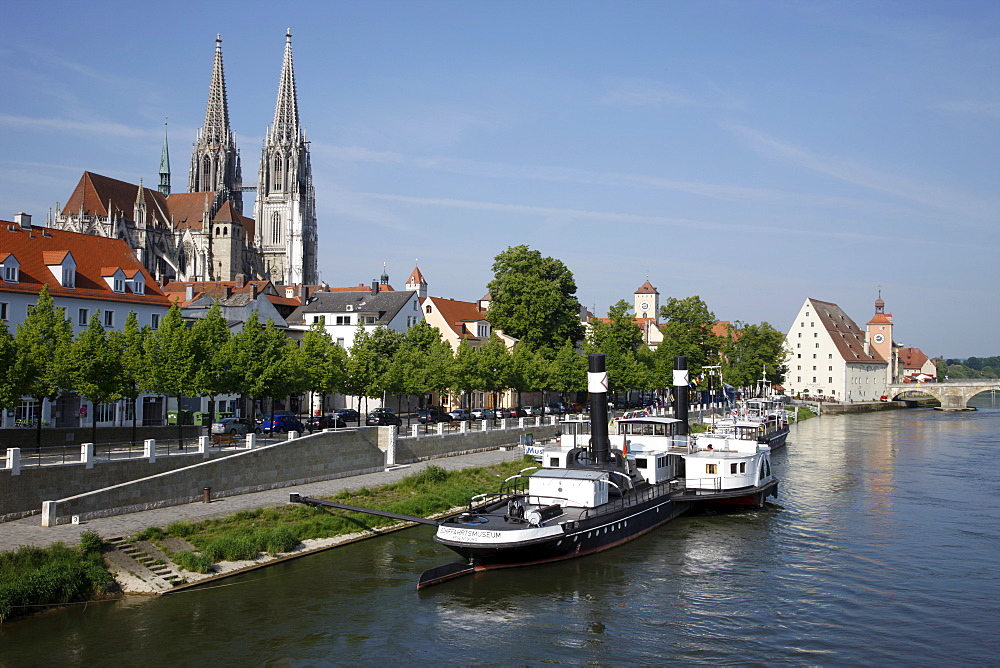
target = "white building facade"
x: 829, y: 357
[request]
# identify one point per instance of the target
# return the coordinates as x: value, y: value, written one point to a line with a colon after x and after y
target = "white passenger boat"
x: 588, y: 496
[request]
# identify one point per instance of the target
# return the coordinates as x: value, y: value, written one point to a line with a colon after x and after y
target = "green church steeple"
x: 164, y: 165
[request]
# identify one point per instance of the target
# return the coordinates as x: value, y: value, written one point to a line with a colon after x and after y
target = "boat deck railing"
x: 635, y: 497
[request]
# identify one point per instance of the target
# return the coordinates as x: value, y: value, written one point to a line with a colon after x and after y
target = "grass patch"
x: 246, y: 534
x: 32, y: 578
x: 804, y: 413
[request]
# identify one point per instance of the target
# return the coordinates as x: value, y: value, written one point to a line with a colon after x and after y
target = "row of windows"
x: 799, y: 368
x: 83, y: 316
x: 799, y: 379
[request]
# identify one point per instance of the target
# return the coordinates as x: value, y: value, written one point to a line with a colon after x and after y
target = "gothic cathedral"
x: 202, y: 235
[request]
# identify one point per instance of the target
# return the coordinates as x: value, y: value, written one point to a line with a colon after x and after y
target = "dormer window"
x: 115, y: 278
x: 138, y: 285
x: 11, y: 268
x: 63, y: 267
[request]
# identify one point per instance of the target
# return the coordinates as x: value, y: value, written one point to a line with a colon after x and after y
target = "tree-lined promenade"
x: 533, y: 301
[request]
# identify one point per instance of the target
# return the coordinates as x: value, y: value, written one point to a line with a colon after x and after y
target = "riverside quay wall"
x: 62, y: 492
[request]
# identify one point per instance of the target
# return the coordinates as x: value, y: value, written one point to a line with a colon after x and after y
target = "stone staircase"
x: 140, y: 567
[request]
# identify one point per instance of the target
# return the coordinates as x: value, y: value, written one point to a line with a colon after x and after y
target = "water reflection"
x: 880, y: 549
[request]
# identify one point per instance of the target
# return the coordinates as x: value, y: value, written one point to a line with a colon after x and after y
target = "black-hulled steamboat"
x: 588, y: 497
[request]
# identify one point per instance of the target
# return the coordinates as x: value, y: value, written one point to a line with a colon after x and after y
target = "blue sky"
x: 751, y: 153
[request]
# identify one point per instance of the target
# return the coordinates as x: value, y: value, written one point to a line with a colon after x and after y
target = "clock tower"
x: 647, y: 302
x: 880, y: 336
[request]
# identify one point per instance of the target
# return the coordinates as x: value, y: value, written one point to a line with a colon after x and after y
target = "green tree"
x: 130, y: 344
x: 466, y: 372
x: 754, y: 349
x: 171, y: 361
x: 424, y: 362
x: 213, y: 375
x: 96, y: 363
x: 687, y: 331
x: 529, y: 370
x: 43, y: 340
x: 533, y: 298
x: 370, y: 371
x: 325, y: 362
x: 495, y: 367
x: 619, y: 339
x: 10, y: 391
x: 568, y: 370
x: 265, y: 361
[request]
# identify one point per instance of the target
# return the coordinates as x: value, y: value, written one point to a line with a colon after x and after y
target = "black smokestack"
x: 597, y: 387
x: 681, y: 382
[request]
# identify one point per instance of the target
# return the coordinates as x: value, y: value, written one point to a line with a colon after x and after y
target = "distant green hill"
x: 973, y: 367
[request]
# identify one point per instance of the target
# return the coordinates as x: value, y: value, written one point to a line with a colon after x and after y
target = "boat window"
x: 647, y: 430
x: 660, y: 430
x: 743, y: 467
x: 640, y: 462
x: 711, y: 469
x: 554, y: 462
x: 732, y: 467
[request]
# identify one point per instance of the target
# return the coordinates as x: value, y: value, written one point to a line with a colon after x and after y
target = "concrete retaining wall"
x: 320, y: 456
x: 22, y: 495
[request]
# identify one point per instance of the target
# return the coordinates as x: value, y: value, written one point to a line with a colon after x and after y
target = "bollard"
x: 206, y: 495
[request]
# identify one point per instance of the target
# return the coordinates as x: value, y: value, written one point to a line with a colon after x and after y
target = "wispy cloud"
x: 636, y: 92
x: 553, y: 174
x: 971, y: 107
x: 564, y: 214
x: 69, y: 125
x: 927, y: 194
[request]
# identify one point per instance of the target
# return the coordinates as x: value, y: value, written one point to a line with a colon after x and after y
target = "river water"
x: 882, y: 548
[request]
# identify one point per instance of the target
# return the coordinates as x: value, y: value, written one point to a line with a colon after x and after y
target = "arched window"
x: 277, y: 173
x: 275, y: 228
x: 206, y: 174
x: 428, y: 308
x: 225, y: 231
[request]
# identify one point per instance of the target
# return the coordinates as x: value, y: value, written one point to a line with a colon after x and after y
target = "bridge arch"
x: 953, y: 395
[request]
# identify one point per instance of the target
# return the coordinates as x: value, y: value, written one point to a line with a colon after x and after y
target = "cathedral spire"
x: 286, y: 111
x: 216, y: 128
x: 164, y: 165
x: 215, y: 160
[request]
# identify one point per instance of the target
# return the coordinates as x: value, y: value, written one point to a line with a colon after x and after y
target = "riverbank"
x: 142, y: 567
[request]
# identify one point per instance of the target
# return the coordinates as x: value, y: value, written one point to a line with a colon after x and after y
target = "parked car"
x: 381, y: 417
x: 556, y: 408
x: 575, y: 408
x: 512, y: 412
x: 281, y: 423
x: 460, y: 415
x: 318, y: 422
x: 235, y: 426
x: 532, y: 410
x: 432, y: 414
x: 483, y: 414
x: 348, y: 414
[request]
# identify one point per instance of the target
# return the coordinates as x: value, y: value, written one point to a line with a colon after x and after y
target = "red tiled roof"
x: 187, y: 210
x: 913, y: 358
x: 646, y: 289
x: 415, y: 277
x: 359, y: 288
x: 33, y: 250
x: 846, y: 335
x: 455, y: 313
x: 95, y: 193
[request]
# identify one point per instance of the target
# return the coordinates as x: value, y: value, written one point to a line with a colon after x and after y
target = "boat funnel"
x: 597, y: 387
x: 681, y: 383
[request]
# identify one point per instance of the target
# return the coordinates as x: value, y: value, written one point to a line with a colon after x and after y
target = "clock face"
x: 644, y: 305
x: 879, y: 338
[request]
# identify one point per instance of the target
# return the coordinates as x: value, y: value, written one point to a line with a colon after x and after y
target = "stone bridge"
x: 954, y: 395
